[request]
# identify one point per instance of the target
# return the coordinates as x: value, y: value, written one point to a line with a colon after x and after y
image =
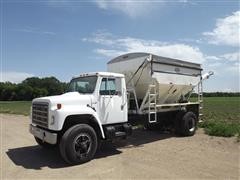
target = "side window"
x: 103, y: 86
x: 108, y: 86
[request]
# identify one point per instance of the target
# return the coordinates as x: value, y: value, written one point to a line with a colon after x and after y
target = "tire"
x: 44, y: 144
x: 78, y: 144
x: 188, y: 124
x: 177, y: 122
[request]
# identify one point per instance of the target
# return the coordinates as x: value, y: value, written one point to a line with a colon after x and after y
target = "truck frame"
x: 139, y: 88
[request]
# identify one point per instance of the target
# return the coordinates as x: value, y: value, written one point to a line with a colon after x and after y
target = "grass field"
x: 221, y: 114
x: 15, y: 107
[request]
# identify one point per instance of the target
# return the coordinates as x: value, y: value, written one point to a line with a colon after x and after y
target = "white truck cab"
x: 97, y: 100
x: 149, y: 89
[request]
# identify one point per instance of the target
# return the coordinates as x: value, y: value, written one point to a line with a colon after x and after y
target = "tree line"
x: 218, y: 94
x: 35, y: 87
x: 31, y: 88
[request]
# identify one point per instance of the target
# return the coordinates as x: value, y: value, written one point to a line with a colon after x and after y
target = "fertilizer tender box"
x: 139, y: 88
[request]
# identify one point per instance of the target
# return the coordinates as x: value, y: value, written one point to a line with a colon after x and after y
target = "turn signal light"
x: 59, y: 106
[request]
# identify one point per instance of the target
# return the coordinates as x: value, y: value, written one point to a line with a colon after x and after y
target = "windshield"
x: 83, y: 84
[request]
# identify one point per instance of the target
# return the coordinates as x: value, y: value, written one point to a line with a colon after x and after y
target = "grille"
x: 40, y: 114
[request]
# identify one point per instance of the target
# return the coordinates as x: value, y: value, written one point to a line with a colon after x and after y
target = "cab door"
x: 110, y: 101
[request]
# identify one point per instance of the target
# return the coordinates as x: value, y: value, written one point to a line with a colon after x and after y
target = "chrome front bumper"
x: 44, y: 135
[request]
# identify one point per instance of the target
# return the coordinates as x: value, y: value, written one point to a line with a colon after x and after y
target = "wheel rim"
x: 191, y: 124
x: 82, y: 145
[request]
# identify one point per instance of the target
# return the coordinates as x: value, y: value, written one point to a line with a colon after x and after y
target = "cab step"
x: 120, y: 134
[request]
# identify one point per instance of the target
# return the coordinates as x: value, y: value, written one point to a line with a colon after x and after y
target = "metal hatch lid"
x: 156, y: 59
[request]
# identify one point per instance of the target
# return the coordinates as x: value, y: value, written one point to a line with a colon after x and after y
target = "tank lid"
x: 157, y: 59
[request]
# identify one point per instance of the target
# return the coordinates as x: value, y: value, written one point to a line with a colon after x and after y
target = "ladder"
x: 200, y: 100
x: 152, y: 102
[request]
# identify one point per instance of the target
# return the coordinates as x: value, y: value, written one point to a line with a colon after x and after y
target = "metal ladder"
x: 152, y: 102
x: 200, y: 100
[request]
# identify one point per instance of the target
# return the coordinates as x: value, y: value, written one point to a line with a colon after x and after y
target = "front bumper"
x: 42, y: 134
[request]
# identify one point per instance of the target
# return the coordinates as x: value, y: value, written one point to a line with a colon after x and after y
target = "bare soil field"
x: 144, y: 155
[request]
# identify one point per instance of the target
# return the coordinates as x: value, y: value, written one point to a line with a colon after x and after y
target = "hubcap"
x: 82, y: 145
x: 191, y: 124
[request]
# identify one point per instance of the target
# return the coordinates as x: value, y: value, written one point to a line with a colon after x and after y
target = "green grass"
x: 15, y: 107
x: 221, y: 114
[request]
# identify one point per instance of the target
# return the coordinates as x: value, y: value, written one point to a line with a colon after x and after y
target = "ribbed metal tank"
x: 173, y: 78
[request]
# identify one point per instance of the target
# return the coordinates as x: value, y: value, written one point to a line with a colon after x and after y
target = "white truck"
x: 138, y: 87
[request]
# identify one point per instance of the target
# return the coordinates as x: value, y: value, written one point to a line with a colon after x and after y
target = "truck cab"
x: 93, y: 108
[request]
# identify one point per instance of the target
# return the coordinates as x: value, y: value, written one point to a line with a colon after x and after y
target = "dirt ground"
x: 144, y: 155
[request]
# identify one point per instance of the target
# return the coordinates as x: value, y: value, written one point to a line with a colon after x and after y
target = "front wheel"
x: 78, y: 144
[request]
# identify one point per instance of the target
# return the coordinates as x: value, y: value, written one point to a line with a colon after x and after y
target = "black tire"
x: 188, y: 124
x: 44, y: 144
x: 78, y: 144
x: 177, y: 122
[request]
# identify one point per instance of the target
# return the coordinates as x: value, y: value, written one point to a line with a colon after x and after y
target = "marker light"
x: 59, y: 106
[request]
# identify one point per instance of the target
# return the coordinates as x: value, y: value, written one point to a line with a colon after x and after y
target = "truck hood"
x: 70, y: 98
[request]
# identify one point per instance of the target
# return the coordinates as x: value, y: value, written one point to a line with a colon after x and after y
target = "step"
x: 152, y: 112
x: 200, y: 107
x: 200, y: 114
x: 152, y: 121
x: 120, y: 134
x: 152, y: 85
x: 152, y: 104
x: 152, y: 94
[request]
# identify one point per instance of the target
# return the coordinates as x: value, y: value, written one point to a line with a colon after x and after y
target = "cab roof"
x: 105, y: 74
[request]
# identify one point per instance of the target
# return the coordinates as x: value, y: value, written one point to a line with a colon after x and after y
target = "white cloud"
x: 226, y: 31
x: 14, y: 77
x: 34, y: 31
x: 131, y: 8
x: 233, y: 69
x: 109, y: 52
x: 231, y: 56
x: 214, y: 58
x: 114, y: 46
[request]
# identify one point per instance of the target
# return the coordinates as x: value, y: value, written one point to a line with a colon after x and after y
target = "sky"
x: 65, y: 38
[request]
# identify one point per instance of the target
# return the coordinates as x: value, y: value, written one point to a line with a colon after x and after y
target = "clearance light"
x: 59, y: 106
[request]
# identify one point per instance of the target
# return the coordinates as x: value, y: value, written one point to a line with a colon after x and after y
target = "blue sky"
x: 66, y: 38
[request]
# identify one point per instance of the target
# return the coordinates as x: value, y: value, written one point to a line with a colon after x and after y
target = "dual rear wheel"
x: 185, y: 123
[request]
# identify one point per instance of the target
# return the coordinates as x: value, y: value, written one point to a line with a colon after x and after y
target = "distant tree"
x: 38, y: 87
x: 24, y: 92
x: 39, y: 92
x: 53, y: 85
x: 7, y: 91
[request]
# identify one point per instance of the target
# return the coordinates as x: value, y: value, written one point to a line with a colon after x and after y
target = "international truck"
x: 138, y: 87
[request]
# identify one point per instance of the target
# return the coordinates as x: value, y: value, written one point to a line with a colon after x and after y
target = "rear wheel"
x: 79, y: 144
x: 44, y: 144
x: 186, y: 123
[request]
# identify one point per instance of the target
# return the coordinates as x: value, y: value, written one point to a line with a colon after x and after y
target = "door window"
x: 108, y: 87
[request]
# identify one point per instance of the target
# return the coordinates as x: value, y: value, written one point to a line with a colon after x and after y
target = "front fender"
x: 61, y: 114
